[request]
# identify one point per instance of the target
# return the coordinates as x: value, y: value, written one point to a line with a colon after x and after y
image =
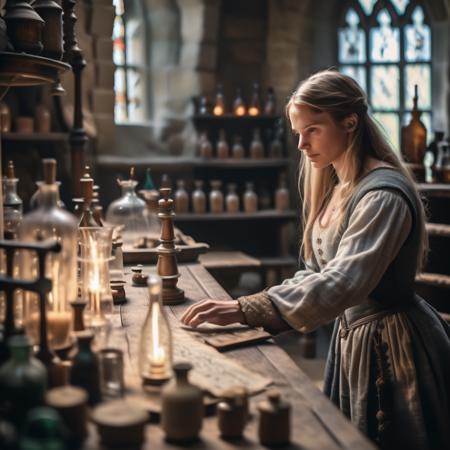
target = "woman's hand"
x: 219, y: 312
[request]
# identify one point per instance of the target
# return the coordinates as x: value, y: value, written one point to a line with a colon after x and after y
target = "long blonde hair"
x: 340, y: 95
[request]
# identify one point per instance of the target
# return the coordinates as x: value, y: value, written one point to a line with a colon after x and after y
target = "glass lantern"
x: 155, y: 351
x: 49, y: 221
x: 95, y: 255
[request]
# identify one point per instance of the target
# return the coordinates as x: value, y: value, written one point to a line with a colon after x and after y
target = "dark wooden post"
x: 74, y: 56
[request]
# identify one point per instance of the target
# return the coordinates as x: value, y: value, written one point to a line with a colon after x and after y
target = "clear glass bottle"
x: 128, y: 211
x: 256, y: 146
x: 282, y: 195
x: 155, y: 349
x: 216, y: 201
x: 12, y: 203
x: 205, y: 149
x: 276, y: 146
x: 23, y: 380
x: 219, y: 103
x: 181, y: 198
x: 49, y: 221
x: 238, y: 150
x: 239, y: 108
x: 255, y: 105
x: 198, y: 198
x: 232, y: 199
x: 203, y: 108
x: 250, y: 198
x: 270, y: 104
x: 223, y: 149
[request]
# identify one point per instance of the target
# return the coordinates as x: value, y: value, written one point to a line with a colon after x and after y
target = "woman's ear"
x: 351, y: 122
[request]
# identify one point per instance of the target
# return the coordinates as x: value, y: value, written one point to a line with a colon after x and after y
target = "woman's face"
x: 320, y: 138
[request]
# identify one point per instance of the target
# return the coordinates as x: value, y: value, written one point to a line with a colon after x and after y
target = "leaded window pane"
x: 400, y: 5
x: 385, y: 87
x: 352, y: 47
x: 384, y: 40
x: 118, y: 41
x: 367, y: 5
x: 136, y: 95
x: 356, y: 72
x: 390, y: 126
x: 419, y: 74
x: 135, y: 42
x: 417, y: 38
x: 120, y: 109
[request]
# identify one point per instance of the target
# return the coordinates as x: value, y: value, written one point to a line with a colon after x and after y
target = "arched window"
x: 386, y: 46
x: 130, y: 59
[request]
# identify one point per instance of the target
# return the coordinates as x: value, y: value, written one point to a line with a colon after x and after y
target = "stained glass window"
x: 386, y: 46
x: 129, y: 59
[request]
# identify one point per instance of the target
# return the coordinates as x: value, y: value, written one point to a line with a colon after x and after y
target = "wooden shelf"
x: 244, y: 163
x: 434, y: 189
x: 438, y: 229
x: 229, y: 120
x: 269, y: 214
x: 434, y: 279
x: 34, y: 137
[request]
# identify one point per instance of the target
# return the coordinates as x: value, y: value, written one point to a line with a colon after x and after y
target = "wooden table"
x: 316, y: 423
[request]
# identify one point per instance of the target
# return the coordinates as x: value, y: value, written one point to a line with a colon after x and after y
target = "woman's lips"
x: 313, y: 155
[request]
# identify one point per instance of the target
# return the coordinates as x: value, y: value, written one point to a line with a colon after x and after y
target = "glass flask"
x: 128, y: 211
x: 35, y: 198
x: 12, y: 203
x: 95, y: 255
x: 49, y: 221
x: 155, y: 350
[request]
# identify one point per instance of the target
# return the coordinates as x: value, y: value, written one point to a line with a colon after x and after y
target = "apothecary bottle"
x: 198, y: 198
x: 239, y: 108
x: 223, y: 149
x: 270, y: 104
x: 155, y: 349
x: 282, y: 195
x: 216, y: 200
x: 5, y: 118
x: 254, y: 108
x: 256, y: 146
x: 219, y: 103
x: 49, y: 221
x: 205, y: 146
x: 87, y: 218
x: 182, y: 407
x: 238, y: 150
x: 181, y: 198
x: 12, y: 203
x: 23, y: 380
x: 232, y: 199
x: 250, y: 199
x: 276, y: 146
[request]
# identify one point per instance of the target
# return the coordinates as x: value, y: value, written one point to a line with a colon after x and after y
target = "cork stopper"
x: 87, y: 187
x: 49, y: 168
x: 10, y: 173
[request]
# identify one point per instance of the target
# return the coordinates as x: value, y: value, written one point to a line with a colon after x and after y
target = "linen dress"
x: 388, y: 368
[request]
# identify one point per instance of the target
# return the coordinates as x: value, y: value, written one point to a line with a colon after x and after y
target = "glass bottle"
x: 166, y: 182
x: 238, y: 150
x: 223, y: 149
x: 128, y: 211
x: 23, y: 380
x: 181, y: 198
x: 12, y: 203
x: 250, y: 199
x: 205, y: 146
x: 216, y: 197
x: 5, y: 118
x: 182, y: 407
x: 35, y: 198
x: 87, y: 218
x: 414, y: 135
x: 270, y: 104
x: 198, y: 198
x: 433, y: 151
x: 282, y: 195
x: 41, y: 119
x: 256, y: 146
x: 239, y: 108
x: 276, y: 146
x: 149, y: 185
x: 255, y: 105
x: 203, y: 108
x: 219, y: 103
x: 49, y: 221
x: 155, y: 349
x: 232, y: 199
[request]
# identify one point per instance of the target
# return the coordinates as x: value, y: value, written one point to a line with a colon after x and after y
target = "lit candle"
x: 240, y: 110
x: 253, y: 111
x: 218, y: 110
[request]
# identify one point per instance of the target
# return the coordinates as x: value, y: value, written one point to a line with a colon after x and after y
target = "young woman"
x: 364, y: 238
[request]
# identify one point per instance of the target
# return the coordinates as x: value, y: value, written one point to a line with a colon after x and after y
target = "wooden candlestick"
x: 167, y: 261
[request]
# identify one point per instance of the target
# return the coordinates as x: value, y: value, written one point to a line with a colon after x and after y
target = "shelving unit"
x: 34, y: 137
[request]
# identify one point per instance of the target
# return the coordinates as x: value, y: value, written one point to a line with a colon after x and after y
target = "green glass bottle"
x: 23, y: 380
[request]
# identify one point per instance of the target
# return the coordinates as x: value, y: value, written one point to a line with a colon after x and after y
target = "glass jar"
x: 216, y: 197
x: 155, y: 350
x: 181, y: 198
x: 198, y: 198
x: 232, y: 199
x: 128, y: 211
x: 49, y: 221
x: 250, y: 199
x: 223, y: 149
x: 256, y: 146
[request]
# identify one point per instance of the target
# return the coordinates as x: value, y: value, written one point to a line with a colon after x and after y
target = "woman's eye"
x: 311, y: 130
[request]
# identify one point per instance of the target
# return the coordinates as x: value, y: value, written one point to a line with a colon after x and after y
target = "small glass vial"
x: 181, y: 198
x: 232, y: 199
x: 219, y: 104
x: 238, y: 150
x: 205, y: 148
x: 223, y: 149
x: 282, y: 195
x: 198, y: 198
x: 250, y: 199
x: 256, y: 146
x: 216, y: 201
x: 239, y: 108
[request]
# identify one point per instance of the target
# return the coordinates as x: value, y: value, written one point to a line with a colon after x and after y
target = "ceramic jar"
x: 232, y: 413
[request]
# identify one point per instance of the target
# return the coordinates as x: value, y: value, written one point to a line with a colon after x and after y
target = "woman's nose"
x: 301, y: 142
